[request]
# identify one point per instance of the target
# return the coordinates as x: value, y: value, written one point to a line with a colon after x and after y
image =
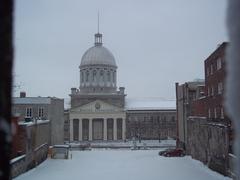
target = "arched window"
x: 94, y: 75
x: 114, y: 76
x: 82, y: 76
x: 87, y: 76
x: 108, y: 76
x: 101, y: 75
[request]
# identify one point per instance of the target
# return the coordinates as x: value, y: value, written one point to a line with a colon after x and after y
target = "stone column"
x: 123, y: 128
x: 114, y: 129
x: 71, y: 130
x: 105, y: 129
x: 80, y: 130
x: 90, y: 129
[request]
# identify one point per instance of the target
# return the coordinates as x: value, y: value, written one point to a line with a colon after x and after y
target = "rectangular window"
x: 222, y: 113
x: 212, y: 91
x: 207, y: 71
x: 215, y: 113
x: 28, y: 112
x: 40, y: 112
x: 209, y: 113
x: 220, y: 88
x: 209, y: 93
x: 219, y: 63
x: 15, y: 110
x: 211, y: 69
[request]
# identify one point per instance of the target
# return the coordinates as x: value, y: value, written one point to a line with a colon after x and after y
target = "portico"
x: 87, y: 123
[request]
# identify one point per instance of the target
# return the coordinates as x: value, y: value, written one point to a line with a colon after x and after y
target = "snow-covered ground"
x: 120, y: 165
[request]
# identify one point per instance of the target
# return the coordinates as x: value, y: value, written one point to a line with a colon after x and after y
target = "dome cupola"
x: 98, y: 54
x: 98, y: 69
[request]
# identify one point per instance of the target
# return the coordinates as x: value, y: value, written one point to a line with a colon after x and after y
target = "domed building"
x: 97, y: 107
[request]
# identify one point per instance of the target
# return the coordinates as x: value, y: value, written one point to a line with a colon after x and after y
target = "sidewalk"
x: 149, y: 144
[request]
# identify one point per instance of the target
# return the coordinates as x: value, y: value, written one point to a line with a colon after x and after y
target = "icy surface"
x: 120, y: 165
x: 17, y: 158
x: 33, y: 122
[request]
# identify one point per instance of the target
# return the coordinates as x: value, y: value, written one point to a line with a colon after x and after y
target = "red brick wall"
x: 18, y: 138
x: 199, y: 107
x: 215, y: 101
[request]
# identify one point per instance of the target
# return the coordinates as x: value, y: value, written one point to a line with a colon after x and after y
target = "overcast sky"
x: 155, y: 42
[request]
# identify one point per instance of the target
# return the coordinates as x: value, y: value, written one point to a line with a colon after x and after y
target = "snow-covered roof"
x: 31, y: 123
x: 32, y: 100
x: 149, y: 104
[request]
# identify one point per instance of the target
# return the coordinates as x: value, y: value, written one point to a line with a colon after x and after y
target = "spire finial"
x: 98, y: 21
x: 98, y: 36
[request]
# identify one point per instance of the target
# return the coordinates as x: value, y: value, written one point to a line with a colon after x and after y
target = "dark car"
x: 174, y: 153
x: 161, y: 153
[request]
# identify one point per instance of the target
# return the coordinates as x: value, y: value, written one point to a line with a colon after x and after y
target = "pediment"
x: 97, y: 106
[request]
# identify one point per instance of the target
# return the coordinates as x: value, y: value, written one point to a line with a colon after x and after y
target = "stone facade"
x: 78, y: 98
x: 23, y: 163
x: 97, y: 108
x: 186, y: 94
x: 50, y: 108
x: 31, y: 135
x: 208, y: 142
x: 66, y: 126
x: 97, y: 120
x: 151, y: 124
x: 30, y: 145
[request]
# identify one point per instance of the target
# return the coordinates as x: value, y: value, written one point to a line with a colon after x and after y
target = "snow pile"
x: 120, y: 165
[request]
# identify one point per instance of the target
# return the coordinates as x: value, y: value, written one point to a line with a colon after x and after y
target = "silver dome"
x: 98, y: 55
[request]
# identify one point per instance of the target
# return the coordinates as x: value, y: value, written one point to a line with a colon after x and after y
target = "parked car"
x: 178, y: 152
x: 161, y: 153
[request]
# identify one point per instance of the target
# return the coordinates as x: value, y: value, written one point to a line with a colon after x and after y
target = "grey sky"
x: 155, y: 43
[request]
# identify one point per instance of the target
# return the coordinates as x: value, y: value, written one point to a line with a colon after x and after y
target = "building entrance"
x: 97, y: 129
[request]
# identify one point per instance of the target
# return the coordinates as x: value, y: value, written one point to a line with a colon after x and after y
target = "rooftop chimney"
x: 22, y: 94
x: 121, y: 89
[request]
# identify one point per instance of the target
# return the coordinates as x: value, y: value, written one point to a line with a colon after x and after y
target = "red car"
x: 174, y: 153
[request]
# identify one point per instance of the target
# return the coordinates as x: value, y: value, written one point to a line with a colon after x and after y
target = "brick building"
x: 215, y: 73
x: 208, y: 131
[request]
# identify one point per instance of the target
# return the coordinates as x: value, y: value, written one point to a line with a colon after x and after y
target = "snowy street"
x: 120, y: 165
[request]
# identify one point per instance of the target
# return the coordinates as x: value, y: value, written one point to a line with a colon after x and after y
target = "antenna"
x: 98, y: 21
x: 98, y: 36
